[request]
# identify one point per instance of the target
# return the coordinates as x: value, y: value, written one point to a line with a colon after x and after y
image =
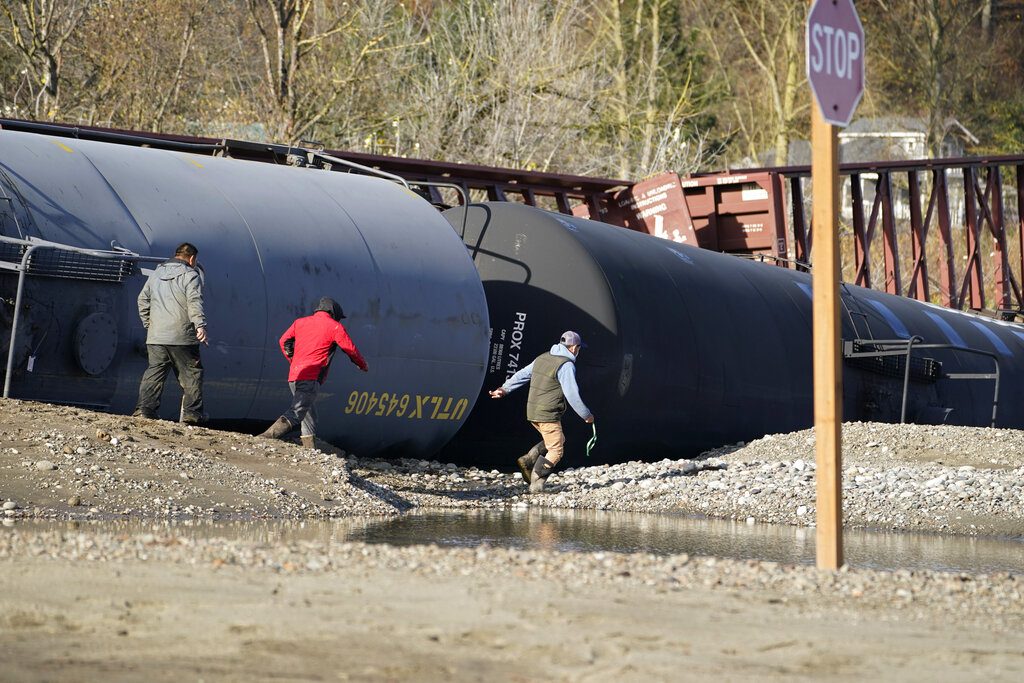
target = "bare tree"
x: 287, y: 40
x: 312, y: 52
x: 653, y: 104
x: 928, y: 57
x: 756, y: 49
x: 370, y: 68
x: 134, y: 61
x: 504, y: 82
x: 39, y: 32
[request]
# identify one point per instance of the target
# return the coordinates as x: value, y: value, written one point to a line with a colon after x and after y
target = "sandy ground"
x: 122, y: 606
x: 64, y: 621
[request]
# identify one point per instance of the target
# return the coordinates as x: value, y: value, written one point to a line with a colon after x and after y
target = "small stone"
x: 801, y: 511
x: 10, y: 505
x: 102, y: 435
x: 94, y: 510
x: 45, y: 465
x: 74, y: 501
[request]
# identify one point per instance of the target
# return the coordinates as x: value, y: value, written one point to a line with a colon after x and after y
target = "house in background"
x: 896, y: 138
x: 888, y: 138
x: 885, y: 138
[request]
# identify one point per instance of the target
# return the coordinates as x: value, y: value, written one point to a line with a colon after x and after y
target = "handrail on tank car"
x: 361, y: 167
x: 458, y: 188
x: 1009, y: 314
x: 904, y: 347
x: 162, y: 142
x: 777, y: 259
x: 31, y: 244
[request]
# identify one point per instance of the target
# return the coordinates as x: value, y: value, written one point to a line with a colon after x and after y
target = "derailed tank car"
x: 690, y: 349
x: 272, y: 240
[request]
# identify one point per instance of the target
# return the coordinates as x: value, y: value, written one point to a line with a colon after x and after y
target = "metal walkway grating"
x: 69, y: 265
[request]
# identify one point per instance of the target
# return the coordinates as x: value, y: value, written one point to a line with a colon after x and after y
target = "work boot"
x: 278, y: 429
x: 526, y: 462
x: 541, y: 471
x: 309, y: 441
x: 145, y: 412
x: 193, y: 419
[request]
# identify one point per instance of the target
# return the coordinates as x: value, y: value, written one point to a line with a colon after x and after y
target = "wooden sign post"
x: 828, y: 371
x: 835, y: 70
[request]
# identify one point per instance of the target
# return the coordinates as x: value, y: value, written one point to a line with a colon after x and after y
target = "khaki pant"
x: 554, y: 439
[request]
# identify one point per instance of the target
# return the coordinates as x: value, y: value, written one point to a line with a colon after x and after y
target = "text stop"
x: 834, y: 51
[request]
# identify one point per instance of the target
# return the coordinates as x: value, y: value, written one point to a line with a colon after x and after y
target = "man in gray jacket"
x: 171, y: 308
x: 552, y: 379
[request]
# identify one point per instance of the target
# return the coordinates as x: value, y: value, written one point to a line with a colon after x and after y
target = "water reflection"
x: 594, y: 530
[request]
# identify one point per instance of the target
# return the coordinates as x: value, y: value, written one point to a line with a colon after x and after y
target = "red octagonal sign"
x: 835, y: 58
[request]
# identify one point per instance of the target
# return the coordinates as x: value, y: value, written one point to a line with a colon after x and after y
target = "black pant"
x: 188, y: 368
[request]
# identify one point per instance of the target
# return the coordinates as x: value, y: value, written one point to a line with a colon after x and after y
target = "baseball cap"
x: 570, y: 338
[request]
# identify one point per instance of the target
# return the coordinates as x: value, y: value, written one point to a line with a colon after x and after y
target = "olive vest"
x: 546, y: 402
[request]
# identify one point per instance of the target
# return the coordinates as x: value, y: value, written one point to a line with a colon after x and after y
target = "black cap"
x: 330, y: 306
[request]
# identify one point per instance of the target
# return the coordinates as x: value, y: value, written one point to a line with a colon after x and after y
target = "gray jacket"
x: 171, y: 304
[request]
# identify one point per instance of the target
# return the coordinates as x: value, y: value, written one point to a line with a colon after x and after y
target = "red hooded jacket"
x: 313, y: 346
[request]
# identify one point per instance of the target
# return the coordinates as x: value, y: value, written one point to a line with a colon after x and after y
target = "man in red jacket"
x: 309, y: 345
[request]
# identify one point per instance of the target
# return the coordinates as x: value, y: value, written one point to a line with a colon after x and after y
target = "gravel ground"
x: 123, y: 605
x: 904, y: 477
x: 984, y: 598
x: 159, y: 608
x: 68, y: 463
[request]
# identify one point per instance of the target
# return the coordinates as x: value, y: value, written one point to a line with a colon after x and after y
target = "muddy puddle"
x: 590, y: 530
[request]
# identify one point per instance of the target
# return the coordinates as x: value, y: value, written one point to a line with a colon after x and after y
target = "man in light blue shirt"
x: 552, y: 379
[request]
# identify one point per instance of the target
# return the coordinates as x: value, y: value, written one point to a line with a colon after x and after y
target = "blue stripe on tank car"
x: 895, y: 323
x: 807, y: 289
x: 1019, y: 335
x: 947, y: 329
x: 1001, y: 347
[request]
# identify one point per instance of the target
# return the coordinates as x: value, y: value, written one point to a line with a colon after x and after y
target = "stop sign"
x: 835, y: 58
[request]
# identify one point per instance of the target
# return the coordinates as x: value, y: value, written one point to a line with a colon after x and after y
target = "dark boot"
x: 278, y: 429
x: 541, y: 471
x: 144, y: 412
x: 526, y: 462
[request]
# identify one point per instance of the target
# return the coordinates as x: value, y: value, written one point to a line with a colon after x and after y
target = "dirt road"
x: 75, y: 621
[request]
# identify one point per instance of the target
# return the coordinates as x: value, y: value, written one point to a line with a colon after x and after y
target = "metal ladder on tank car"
x: 882, y: 348
x: 927, y: 369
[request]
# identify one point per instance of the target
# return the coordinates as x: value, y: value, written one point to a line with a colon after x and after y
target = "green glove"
x: 593, y: 439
